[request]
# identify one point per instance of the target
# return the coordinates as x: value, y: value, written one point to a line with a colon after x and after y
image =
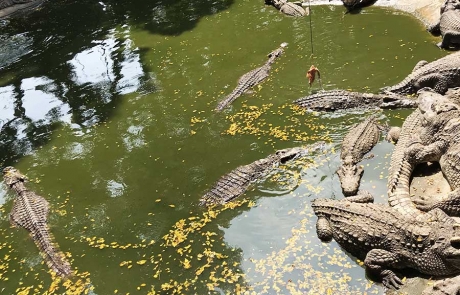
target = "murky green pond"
x: 108, y: 109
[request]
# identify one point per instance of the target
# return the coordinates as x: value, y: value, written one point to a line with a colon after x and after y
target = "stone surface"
x: 425, y: 10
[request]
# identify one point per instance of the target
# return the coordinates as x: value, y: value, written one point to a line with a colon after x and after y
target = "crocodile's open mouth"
x: 455, y: 242
x: 288, y: 157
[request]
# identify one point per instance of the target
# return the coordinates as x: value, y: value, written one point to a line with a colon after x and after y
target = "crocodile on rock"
x: 288, y: 8
x: 448, y: 25
x: 402, y: 162
x: 439, y: 75
x: 400, y: 171
x: 333, y: 100
x: 386, y: 239
x: 30, y: 211
x: 251, y: 79
x: 235, y: 183
x: 358, y: 142
x: 438, y: 140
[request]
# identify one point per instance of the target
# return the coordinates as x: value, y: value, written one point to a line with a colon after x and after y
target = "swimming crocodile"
x: 333, y: 100
x: 386, y: 240
x: 359, y: 141
x: 448, y: 25
x: 30, y: 211
x: 439, y: 75
x: 288, y: 8
x: 251, y: 79
x: 235, y: 183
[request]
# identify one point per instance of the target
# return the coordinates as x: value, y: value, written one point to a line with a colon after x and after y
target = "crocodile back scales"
x: 401, y: 169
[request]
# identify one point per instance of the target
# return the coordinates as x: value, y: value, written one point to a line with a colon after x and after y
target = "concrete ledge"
x: 426, y: 11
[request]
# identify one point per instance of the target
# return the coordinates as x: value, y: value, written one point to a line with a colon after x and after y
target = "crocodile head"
x: 450, y: 5
x: 12, y: 175
x: 350, y: 176
x: 435, y: 109
x: 449, y: 248
x: 277, y: 52
x: 289, y: 154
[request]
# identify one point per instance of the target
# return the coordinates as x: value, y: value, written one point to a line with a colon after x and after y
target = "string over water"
x: 311, y: 29
x: 313, y: 70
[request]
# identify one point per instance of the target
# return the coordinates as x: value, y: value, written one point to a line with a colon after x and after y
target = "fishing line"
x: 312, y: 49
x: 311, y: 29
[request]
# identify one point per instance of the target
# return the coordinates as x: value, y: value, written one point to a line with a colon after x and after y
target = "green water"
x: 108, y: 109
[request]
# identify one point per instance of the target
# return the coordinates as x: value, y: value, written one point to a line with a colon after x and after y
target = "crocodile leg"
x: 324, y: 229
x: 419, y: 65
x: 451, y: 205
x: 436, y: 81
x: 419, y: 153
x: 361, y: 197
x: 450, y: 38
x: 377, y: 261
x: 435, y: 29
x: 436, y: 215
x: 393, y: 134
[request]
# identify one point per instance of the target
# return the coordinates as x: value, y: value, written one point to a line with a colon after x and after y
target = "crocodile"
x: 359, y: 141
x: 235, y: 183
x: 440, y: 75
x: 393, y: 134
x: 438, y: 140
x: 251, y: 79
x: 401, y: 165
x: 387, y: 240
x: 448, y: 25
x: 400, y: 171
x: 30, y: 211
x: 333, y: 100
x: 288, y: 8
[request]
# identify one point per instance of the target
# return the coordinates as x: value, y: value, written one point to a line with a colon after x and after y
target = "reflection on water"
x: 107, y: 107
x: 13, y: 48
x: 97, y: 76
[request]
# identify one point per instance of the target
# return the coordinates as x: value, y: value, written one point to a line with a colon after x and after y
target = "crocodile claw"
x: 412, y: 150
x: 424, y: 203
x: 390, y: 280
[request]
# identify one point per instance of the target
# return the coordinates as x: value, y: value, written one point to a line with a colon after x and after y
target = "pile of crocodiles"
x: 418, y: 234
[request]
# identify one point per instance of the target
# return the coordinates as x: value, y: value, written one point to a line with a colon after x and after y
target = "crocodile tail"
x: 401, y: 169
x: 228, y: 99
x: 54, y: 258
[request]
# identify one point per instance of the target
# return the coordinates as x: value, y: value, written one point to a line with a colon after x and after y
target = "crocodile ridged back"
x: 401, y: 169
x: 360, y: 140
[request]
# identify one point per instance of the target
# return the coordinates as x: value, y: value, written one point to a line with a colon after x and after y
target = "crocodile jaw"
x: 350, y: 177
